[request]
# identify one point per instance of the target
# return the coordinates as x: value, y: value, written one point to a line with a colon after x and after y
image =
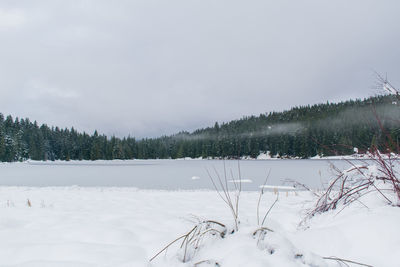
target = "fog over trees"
x: 305, y: 131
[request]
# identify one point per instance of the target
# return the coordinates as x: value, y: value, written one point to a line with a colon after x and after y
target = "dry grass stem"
x: 344, y: 261
x: 192, y: 239
x: 222, y: 188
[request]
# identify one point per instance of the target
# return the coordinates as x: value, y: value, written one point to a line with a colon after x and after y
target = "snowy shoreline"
x: 123, y: 162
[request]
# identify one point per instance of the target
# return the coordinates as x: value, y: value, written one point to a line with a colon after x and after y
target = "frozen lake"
x: 165, y: 174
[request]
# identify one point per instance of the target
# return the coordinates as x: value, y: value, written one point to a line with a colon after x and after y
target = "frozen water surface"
x: 165, y: 174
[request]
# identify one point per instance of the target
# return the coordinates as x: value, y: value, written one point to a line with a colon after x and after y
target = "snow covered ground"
x: 75, y: 226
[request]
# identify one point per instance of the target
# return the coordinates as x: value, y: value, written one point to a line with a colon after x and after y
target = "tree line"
x: 304, y: 131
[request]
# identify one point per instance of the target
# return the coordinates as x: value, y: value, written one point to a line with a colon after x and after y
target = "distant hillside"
x: 305, y: 131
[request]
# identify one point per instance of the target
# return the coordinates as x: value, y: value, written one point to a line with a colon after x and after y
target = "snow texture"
x: 74, y: 226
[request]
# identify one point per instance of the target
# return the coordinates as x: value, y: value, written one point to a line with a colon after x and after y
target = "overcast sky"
x: 148, y: 68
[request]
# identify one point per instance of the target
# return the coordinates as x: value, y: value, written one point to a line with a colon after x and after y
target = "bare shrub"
x: 377, y: 174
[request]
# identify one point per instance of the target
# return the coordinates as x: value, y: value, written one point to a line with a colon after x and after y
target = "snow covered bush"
x: 378, y: 174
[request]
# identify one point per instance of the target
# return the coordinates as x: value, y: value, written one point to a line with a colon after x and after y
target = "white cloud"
x: 153, y: 67
x: 11, y: 18
x: 38, y: 90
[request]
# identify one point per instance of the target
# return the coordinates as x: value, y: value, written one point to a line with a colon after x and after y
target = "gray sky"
x: 149, y: 68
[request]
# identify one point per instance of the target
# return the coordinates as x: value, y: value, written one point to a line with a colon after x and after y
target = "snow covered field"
x: 94, y: 226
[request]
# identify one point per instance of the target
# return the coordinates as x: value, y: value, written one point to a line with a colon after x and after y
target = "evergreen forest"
x: 302, y: 132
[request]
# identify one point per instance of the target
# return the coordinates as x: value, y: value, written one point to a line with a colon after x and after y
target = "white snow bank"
x: 263, y: 156
x: 73, y: 226
x: 240, y: 181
